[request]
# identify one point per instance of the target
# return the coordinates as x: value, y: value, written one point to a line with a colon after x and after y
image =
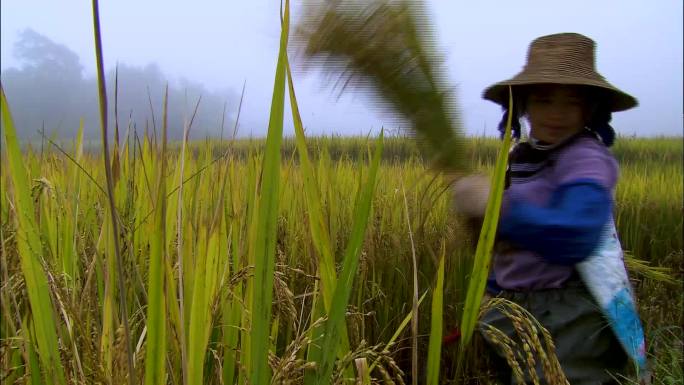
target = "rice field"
x: 201, y: 236
x: 279, y: 260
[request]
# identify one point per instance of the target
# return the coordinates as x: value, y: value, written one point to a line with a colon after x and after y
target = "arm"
x: 566, y: 231
x: 568, y: 228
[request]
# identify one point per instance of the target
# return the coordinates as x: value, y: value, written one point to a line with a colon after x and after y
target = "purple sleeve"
x: 567, y: 228
x: 587, y: 159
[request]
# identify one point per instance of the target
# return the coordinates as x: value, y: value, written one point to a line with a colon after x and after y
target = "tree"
x: 50, y: 89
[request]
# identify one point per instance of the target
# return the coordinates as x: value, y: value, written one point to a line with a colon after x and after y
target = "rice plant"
x: 279, y: 260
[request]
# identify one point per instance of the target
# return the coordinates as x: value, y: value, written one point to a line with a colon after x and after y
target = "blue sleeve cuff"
x: 565, y: 231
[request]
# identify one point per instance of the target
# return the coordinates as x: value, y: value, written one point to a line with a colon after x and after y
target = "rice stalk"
x: 414, y: 309
x: 435, y: 345
x: 110, y: 187
x: 528, y: 348
x: 400, y: 329
x: 320, y: 233
x: 336, y: 319
x: 363, y: 374
x: 387, y: 49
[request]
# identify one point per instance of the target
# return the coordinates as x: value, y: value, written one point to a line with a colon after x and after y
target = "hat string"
x: 600, y: 125
x: 515, y: 124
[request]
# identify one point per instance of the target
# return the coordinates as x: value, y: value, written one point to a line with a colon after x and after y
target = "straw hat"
x: 564, y: 58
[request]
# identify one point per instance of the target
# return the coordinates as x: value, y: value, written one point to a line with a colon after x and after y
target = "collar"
x: 545, y: 146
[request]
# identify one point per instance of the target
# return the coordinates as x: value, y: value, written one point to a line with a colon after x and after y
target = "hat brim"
x: 619, y: 100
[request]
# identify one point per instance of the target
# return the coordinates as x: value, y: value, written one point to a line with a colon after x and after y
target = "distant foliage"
x: 51, y: 89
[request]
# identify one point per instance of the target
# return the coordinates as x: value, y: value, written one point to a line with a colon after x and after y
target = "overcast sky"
x: 222, y: 43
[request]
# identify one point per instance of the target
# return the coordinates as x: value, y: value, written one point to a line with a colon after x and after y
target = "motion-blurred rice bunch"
x: 387, y: 49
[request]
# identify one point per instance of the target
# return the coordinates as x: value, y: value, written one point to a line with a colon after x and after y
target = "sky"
x: 225, y: 43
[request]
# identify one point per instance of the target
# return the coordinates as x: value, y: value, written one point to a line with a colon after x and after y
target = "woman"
x: 557, y: 211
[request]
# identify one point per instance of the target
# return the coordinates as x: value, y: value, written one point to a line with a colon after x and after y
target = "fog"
x: 213, y: 47
x: 51, y: 92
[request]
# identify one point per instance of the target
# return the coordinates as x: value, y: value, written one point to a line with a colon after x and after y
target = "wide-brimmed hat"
x: 564, y: 58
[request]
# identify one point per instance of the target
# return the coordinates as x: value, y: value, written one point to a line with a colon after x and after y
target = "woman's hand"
x: 470, y: 195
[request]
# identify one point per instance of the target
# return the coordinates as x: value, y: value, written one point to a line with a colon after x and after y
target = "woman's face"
x: 556, y: 112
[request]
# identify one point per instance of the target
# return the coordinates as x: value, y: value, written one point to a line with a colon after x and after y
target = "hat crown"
x: 562, y: 54
x: 562, y: 58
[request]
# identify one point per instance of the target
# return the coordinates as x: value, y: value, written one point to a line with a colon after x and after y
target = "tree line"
x: 50, y: 91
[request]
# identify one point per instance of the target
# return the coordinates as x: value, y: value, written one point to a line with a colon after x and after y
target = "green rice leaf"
x: 33, y: 362
x: 70, y: 227
x: 485, y: 244
x: 30, y: 251
x: 319, y: 228
x: 231, y: 313
x: 267, y: 220
x: 435, y: 345
x: 155, y: 368
x: 200, y: 316
x: 320, y: 235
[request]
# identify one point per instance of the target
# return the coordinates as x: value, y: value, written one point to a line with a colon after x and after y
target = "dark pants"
x: 586, y: 347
